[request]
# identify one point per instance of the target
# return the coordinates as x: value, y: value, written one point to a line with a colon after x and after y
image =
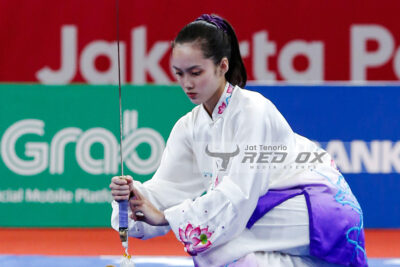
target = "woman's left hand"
x: 142, y: 206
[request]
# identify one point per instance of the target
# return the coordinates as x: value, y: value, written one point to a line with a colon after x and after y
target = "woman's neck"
x: 210, y: 104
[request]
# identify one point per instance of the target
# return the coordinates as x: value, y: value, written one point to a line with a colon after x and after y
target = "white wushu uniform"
x: 236, y: 156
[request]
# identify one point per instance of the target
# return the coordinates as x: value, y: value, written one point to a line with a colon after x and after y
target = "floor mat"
x: 140, y: 261
x: 69, y: 261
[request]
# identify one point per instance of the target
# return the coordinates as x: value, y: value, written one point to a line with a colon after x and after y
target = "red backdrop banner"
x: 60, y: 42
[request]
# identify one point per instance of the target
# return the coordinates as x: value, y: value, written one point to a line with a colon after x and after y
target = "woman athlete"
x: 232, y: 183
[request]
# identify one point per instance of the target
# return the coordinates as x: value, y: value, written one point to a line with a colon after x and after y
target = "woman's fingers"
x: 134, y: 202
x: 119, y: 198
x: 128, y: 179
x: 137, y: 194
x: 143, y: 210
x: 137, y: 216
x: 120, y: 192
x: 121, y: 187
x: 124, y: 193
x: 137, y: 205
x: 119, y: 180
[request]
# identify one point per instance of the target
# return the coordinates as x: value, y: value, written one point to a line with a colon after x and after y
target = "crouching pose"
x: 235, y: 184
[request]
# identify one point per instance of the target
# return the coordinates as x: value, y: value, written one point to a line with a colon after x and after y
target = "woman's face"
x: 200, y: 78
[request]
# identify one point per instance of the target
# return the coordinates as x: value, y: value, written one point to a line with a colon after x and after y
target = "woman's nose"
x: 187, y: 82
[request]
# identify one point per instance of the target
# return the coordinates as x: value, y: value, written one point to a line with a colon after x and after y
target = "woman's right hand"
x: 121, y: 187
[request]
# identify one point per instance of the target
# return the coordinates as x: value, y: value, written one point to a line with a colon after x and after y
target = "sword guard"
x: 123, y: 234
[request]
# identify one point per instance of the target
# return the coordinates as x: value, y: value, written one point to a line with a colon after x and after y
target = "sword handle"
x: 123, y: 207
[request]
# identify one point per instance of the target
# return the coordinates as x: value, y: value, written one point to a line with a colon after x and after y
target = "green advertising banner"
x: 60, y: 148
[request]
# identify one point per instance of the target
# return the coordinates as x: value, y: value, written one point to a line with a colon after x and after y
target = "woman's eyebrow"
x: 188, y: 69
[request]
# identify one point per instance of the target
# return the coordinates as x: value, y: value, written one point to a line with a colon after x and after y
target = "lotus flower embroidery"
x: 196, y: 240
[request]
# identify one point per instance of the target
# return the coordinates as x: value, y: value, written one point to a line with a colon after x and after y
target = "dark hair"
x: 217, y: 39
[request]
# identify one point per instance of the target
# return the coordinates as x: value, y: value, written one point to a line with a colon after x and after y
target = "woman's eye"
x: 197, y: 73
x: 179, y: 74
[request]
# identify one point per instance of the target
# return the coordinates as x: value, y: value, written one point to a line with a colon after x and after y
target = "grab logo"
x: 51, y: 155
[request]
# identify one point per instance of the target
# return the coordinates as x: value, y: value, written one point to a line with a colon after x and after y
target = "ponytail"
x: 217, y: 40
x: 236, y: 74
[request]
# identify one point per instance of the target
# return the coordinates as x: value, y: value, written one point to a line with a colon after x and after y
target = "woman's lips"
x: 191, y: 95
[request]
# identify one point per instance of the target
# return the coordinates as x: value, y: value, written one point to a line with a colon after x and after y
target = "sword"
x: 123, y: 204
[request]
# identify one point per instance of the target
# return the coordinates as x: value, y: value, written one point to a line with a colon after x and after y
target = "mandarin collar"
x: 222, y: 103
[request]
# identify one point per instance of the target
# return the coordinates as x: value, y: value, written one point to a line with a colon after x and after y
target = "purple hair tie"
x: 215, y: 20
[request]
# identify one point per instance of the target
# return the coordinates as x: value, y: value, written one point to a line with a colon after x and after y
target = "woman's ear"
x: 224, y: 65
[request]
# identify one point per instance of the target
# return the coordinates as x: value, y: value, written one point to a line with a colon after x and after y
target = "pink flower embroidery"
x: 230, y: 89
x: 221, y: 108
x: 195, y: 239
x: 216, y: 182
